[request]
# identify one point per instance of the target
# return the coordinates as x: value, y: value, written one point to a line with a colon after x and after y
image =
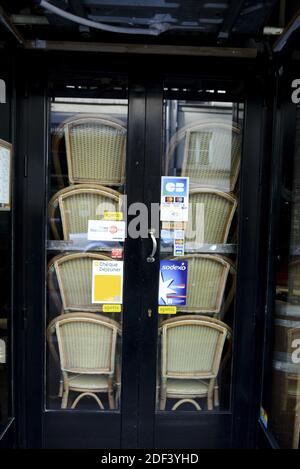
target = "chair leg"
x: 216, y: 396
x: 118, y: 397
x: 111, y: 399
x: 65, y: 397
x: 162, y: 404
x: 210, y: 401
x: 163, y: 400
x: 61, y: 387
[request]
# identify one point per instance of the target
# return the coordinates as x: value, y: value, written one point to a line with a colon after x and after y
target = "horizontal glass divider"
x: 191, y: 248
x: 82, y: 246
x: 164, y: 248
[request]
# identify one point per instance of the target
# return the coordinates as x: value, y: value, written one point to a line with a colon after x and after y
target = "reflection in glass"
x: 283, y: 408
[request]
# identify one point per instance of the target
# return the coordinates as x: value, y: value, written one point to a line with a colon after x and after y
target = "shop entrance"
x: 142, y: 276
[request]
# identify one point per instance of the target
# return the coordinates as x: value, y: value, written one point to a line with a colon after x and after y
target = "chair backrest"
x: 79, y: 204
x: 74, y: 278
x: 212, y: 154
x: 210, y: 216
x: 86, y: 342
x: 95, y: 148
x: 192, y: 347
x: 206, y: 282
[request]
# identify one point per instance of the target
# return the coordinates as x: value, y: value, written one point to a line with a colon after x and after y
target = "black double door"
x: 156, y: 113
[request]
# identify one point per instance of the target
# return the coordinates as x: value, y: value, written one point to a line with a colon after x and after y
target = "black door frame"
x: 8, y: 133
x: 284, y: 135
x: 137, y: 426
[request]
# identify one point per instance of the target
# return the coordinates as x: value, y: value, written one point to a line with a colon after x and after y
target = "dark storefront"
x: 149, y: 226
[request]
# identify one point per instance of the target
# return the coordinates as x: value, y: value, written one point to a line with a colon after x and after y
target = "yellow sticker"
x: 167, y: 310
x: 111, y: 308
x: 107, y: 283
x: 113, y: 216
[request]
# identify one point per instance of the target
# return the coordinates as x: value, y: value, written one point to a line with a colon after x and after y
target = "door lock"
x: 149, y: 313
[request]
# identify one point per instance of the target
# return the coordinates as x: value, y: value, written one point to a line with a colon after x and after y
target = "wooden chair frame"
x: 64, y: 130
x: 53, y: 327
x: 57, y: 201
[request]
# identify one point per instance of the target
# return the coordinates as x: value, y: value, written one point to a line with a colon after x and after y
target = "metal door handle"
x: 151, y: 258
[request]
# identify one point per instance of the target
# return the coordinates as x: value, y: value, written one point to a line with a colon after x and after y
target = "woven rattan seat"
x: 206, y: 282
x: 191, y: 351
x: 210, y: 216
x: 74, y: 279
x: 95, y: 149
x: 87, y: 355
x: 80, y: 203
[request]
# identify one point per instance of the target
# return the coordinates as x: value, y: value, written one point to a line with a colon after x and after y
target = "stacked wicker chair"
x: 86, y: 341
x: 192, y: 345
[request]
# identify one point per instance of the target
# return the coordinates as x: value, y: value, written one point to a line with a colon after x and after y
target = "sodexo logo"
x: 174, y: 267
x: 296, y: 92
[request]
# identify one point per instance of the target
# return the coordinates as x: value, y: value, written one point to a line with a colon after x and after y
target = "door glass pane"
x: 86, y: 183
x: 199, y: 222
x: 281, y: 410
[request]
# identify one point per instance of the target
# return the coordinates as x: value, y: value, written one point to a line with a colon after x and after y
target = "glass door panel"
x: 280, y: 405
x: 85, y: 241
x: 199, y: 225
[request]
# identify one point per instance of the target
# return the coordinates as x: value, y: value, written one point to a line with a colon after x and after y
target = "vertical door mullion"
x: 132, y: 296
x: 251, y: 273
x: 30, y: 241
x: 149, y: 319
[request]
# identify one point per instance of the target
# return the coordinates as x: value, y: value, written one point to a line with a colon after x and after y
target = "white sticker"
x: 174, y: 198
x: 106, y: 230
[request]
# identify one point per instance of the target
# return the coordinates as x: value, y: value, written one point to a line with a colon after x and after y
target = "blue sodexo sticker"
x: 172, y: 283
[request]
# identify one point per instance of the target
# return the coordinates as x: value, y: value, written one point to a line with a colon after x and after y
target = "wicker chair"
x: 74, y: 278
x: 212, y: 211
x: 191, y: 351
x: 95, y: 148
x: 87, y: 355
x: 212, y: 154
x: 206, y: 282
x: 80, y: 203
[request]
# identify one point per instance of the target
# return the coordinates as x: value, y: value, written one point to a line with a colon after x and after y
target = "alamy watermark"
x: 296, y: 92
x: 140, y: 219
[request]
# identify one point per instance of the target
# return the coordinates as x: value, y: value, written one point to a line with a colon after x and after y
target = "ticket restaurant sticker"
x: 111, y: 308
x: 107, y: 287
x: 167, y: 310
x: 174, y: 202
x: 172, y: 283
x: 106, y: 230
x: 113, y: 216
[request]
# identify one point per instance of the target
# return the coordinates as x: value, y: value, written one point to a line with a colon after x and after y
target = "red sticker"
x: 117, y: 253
